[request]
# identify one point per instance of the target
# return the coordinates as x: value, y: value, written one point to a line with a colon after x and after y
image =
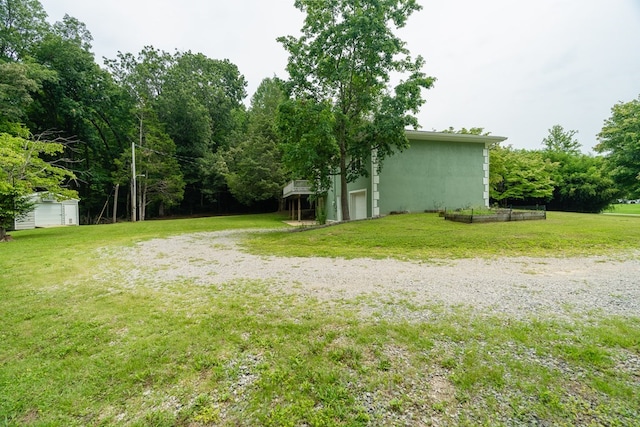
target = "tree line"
x: 182, y: 113
x: 198, y: 149
x: 557, y: 175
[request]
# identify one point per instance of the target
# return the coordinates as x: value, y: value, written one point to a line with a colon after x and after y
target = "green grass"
x: 626, y: 209
x: 76, y: 350
x: 428, y: 237
x: 38, y: 255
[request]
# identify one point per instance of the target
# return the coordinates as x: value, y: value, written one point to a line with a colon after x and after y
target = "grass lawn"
x: 78, y: 347
x: 627, y: 209
x: 427, y: 236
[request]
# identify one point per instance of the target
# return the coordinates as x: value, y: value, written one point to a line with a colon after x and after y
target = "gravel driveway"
x: 514, y: 286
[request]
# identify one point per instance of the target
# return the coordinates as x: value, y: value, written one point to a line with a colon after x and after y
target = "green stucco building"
x: 438, y: 171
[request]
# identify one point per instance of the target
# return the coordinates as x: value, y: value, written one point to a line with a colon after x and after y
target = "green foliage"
x: 196, y: 98
x: 308, y: 136
x: 340, y: 69
x: 50, y: 81
x: 23, y: 23
x: 143, y: 77
x: 23, y: 171
x: 81, y: 103
x: 253, y: 170
x: 216, y: 85
x: 18, y: 81
x: 560, y: 175
x: 619, y: 140
x: 465, y: 131
x: 198, y: 101
x: 581, y: 183
x: 253, y: 166
x: 74, y: 31
x: 520, y: 175
x: 561, y: 141
x: 161, y: 182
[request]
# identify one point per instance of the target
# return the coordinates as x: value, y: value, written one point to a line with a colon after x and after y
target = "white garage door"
x: 358, y: 206
x: 49, y: 214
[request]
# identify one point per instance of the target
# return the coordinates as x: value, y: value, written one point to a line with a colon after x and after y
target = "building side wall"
x: 26, y: 222
x: 433, y: 175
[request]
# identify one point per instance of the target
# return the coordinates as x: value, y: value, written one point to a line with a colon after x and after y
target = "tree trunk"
x: 344, y: 197
x: 143, y: 201
x: 3, y: 235
x: 115, y: 203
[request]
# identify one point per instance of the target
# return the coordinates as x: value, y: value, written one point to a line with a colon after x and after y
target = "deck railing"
x: 299, y: 186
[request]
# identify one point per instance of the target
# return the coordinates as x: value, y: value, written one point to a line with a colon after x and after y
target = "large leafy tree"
x: 27, y: 163
x: 24, y: 170
x: 159, y: 182
x: 619, y: 140
x: 18, y: 82
x: 81, y: 102
x: 309, y: 141
x: 580, y: 182
x: 142, y: 77
x: 561, y: 141
x: 23, y: 23
x: 252, y: 166
x: 15, y: 90
x: 200, y: 98
x: 214, y: 84
x: 343, y: 63
x: 195, y: 97
x: 520, y: 175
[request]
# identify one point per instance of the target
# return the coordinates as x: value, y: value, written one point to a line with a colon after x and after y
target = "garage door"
x: 49, y: 214
x: 358, y: 206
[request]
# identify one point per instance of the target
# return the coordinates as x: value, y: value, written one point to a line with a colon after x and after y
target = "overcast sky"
x: 515, y: 68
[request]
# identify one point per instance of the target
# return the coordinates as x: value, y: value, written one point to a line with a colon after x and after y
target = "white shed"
x: 48, y: 212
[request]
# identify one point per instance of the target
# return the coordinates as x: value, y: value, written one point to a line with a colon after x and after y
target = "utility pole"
x: 134, y: 175
x: 134, y: 197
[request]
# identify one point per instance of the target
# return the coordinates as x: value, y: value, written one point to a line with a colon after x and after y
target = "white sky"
x: 514, y: 67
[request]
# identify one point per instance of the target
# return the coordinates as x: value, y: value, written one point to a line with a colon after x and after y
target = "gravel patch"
x: 518, y: 287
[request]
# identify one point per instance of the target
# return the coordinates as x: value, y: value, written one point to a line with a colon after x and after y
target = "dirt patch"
x: 441, y: 390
